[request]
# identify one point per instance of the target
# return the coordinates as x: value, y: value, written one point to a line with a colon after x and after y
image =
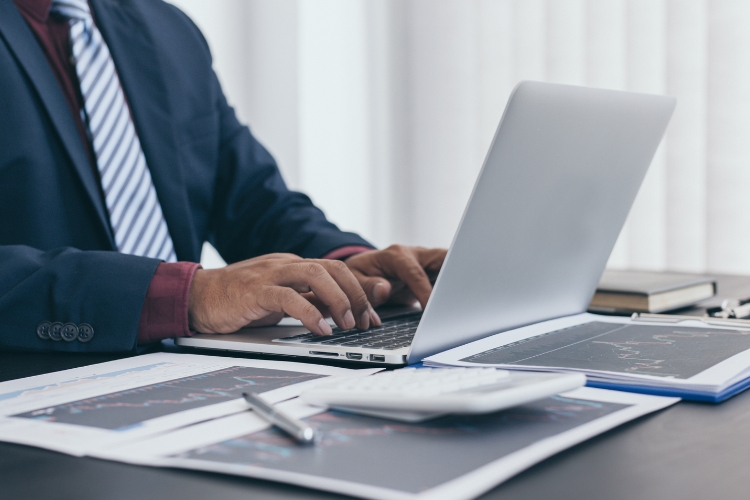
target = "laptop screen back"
x: 553, y: 194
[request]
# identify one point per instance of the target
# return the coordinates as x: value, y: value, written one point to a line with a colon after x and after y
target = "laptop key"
x: 393, y: 334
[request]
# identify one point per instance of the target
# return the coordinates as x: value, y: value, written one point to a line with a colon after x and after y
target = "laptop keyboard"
x: 393, y: 334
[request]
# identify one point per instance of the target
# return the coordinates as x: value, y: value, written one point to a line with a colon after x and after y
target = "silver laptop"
x: 552, y: 196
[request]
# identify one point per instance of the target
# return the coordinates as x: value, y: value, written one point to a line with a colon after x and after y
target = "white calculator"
x: 416, y: 394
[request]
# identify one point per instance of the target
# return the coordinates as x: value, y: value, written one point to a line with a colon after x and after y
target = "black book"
x: 652, y: 292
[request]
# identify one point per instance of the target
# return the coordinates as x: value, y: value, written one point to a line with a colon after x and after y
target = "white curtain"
x: 383, y: 110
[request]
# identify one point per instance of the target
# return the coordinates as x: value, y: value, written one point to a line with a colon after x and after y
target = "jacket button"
x: 85, y: 332
x: 55, y: 331
x: 69, y: 332
x: 42, y: 330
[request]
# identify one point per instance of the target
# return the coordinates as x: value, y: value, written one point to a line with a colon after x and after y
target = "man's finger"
x: 307, y: 273
x: 352, y: 288
x: 378, y: 289
x: 286, y: 300
x: 319, y: 305
x: 406, y: 267
x: 430, y: 259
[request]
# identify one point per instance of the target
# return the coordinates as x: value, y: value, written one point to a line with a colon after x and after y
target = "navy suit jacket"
x: 215, y: 182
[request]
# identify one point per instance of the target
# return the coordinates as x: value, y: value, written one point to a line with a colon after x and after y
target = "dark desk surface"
x: 688, y: 451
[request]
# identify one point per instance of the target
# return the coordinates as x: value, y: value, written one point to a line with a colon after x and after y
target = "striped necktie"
x: 134, y: 210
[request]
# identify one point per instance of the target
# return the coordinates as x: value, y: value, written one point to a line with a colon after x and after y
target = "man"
x: 119, y: 156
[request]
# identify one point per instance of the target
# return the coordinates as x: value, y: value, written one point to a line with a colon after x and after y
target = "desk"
x: 688, y: 451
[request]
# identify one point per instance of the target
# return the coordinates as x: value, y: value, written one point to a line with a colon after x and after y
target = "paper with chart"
x: 688, y: 354
x: 87, y: 408
x: 449, y: 457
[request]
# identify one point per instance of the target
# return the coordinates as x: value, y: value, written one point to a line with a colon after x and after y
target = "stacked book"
x: 650, y: 292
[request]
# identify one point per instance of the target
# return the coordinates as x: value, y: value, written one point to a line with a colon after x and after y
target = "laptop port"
x: 324, y: 353
x: 353, y: 355
x: 377, y: 357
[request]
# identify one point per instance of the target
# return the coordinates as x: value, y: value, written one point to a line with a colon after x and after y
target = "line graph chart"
x: 124, y: 409
x: 67, y: 384
x: 666, y: 351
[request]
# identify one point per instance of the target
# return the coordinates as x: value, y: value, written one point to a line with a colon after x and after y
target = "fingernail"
x: 349, y: 320
x: 324, y: 327
x: 378, y: 292
x: 365, y: 320
x: 374, y: 318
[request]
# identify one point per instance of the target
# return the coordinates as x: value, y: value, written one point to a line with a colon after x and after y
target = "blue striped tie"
x: 134, y: 209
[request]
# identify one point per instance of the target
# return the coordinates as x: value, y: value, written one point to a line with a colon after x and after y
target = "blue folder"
x: 687, y: 395
x: 702, y: 396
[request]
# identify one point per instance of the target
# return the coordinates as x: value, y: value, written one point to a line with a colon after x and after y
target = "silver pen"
x: 292, y: 426
x: 676, y: 318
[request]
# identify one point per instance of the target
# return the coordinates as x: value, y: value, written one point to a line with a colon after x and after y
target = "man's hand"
x: 398, y: 274
x: 260, y: 291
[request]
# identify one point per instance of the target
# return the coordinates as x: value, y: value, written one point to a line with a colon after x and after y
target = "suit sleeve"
x: 96, y: 295
x: 254, y: 211
x: 249, y: 210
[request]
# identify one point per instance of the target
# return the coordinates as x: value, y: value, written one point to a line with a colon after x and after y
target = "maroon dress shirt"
x: 165, y: 310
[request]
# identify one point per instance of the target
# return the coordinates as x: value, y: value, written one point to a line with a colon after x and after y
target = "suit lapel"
x: 137, y: 62
x: 23, y: 44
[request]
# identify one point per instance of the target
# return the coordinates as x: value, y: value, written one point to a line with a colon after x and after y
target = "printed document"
x: 688, y: 356
x: 93, y: 407
x: 457, y: 457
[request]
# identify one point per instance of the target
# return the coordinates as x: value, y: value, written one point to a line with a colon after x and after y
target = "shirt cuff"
x: 165, y: 310
x: 344, y: 252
